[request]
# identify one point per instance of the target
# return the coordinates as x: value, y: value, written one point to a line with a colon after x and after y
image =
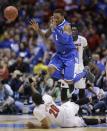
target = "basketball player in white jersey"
x: 83, y: 58
x: 81, y: 44
x: 48, y: 113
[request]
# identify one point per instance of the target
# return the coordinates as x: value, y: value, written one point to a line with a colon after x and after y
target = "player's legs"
x: 70, y: 75
x: 64, y: 96
x: 81, y: 83
x: 81, y: 93
x: 70, y: 71
x: 94, y: 121
x: 54, y: 65
x: 51, y: 70
x: 74, y: 121
x: 77, y: 121
x: 57, y: 75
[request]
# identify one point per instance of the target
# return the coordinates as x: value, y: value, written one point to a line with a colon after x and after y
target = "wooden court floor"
x: 15, y: 122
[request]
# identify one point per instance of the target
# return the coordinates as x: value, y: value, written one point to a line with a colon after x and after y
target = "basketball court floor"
x: 16, y: 123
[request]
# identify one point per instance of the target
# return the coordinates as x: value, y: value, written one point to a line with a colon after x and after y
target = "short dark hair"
x: 74, y: 25
x: 37, y: 99
x: 60, y: 11
x: 78, y: 26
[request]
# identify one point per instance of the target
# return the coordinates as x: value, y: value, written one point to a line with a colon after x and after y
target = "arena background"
x: 23, y: 52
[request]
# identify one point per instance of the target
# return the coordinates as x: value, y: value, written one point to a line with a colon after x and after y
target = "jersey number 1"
x: 54, y: 110
x: 56, y: 37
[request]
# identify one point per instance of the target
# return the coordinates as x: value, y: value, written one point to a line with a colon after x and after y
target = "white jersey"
x: 48, y: 109
x: 80, y: 44
x: 63, y: 116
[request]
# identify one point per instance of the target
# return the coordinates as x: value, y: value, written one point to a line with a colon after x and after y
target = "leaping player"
x: 66, y: 54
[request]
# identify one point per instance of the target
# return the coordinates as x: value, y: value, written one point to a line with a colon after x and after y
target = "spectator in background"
x: 15, y: 83
x: 40, y: 67
x: 12, y: 59
x: 103, y: 41
x: 20, y: 65
x: 97, y: 61
x: 24, y: 51
x: 6, y: 99
x: 105, y: 79
x: 4, y: 72
x: 93, y: 39
x: 5, y: 43
x: 21, y: 48
x: 15, y: 40
x: 38, y: 51
x: 6, y: 55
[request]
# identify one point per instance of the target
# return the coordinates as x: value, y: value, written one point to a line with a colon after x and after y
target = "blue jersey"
x: 65, y: 46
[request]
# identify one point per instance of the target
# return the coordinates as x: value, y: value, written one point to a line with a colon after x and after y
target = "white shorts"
x: 70, y: 109
x: 81, y: 83
x: 68, y: 117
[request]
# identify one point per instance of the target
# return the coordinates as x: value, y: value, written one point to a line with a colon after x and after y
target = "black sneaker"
x: 89, y: 75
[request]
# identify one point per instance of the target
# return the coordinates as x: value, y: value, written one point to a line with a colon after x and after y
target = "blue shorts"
x: 65, y: 67
x: 57, y: 75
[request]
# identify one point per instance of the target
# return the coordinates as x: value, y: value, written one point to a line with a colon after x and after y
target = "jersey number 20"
x: 54, y: 110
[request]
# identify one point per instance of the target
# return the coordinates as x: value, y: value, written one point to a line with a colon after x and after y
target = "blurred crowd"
x: 24, y: 55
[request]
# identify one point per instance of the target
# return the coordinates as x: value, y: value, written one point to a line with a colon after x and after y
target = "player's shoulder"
x: 67, y: 28
x: 66, y: 23
x: 39, y: 109
x: 82, y: 37
x: 39, y: 112
x: 83, y: 40
x: 47, y: 98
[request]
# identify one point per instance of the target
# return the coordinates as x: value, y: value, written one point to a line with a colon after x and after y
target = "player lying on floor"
x: 66, y: 115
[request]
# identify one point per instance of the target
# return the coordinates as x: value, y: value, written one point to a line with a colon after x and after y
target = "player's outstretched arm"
x: 87, y: 55
x: 34, y: 25
x: 44, y: 125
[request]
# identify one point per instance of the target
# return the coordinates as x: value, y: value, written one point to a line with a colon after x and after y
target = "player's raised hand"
x: 34, y: 25
x: 53, y: 23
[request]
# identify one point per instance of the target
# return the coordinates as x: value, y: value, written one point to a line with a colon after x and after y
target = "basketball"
x: 10, y: 13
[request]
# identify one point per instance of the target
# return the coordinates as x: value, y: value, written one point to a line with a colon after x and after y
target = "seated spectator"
x: 15, y: 83
x: 13, y: 59
x: 5, y: 43
x: 20, y: 65
x: 6, y: 100
x: 99, y: 103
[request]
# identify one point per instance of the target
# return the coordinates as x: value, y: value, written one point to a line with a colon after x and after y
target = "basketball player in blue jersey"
x: 66, y: 54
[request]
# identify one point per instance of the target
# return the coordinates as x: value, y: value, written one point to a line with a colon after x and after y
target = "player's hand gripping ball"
x: 11, y: 13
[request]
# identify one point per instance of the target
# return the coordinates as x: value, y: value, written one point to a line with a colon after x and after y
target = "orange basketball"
x: 10, y: 13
